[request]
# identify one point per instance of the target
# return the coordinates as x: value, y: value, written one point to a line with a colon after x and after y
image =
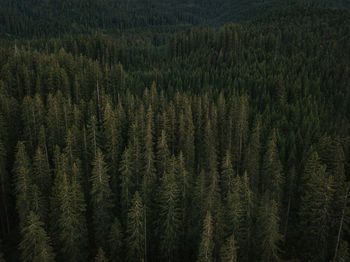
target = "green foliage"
x: 115, y: 241
x: 229, y: 250
x: 35, y: 244
x: 268, y: 236
x: 23, y: 182
x: 100, y: 257
x: 205, y: 252
x: 101, y: 198
x: 133, y: 131
x: 136, y: 229
x: 72, y: 228
x: 315, y: 210
x: 170, y: 212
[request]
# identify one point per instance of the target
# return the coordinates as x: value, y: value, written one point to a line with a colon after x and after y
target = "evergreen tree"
x: 100, y: 257
x: 268, y: 235
x: 163, y: 154
x: 136, y: 230
x: 227, y: 175
x: 229, y: 250
x: 23, y: 182
x: 114, y: 143
x: 72, y: 230
x: 206, y: 247
x: 115, y: 241
x: 41, y: 172
x: 101, y: 199
x: 272, y: 172
x: 126, y: 176
x: 170, y: 215
x: 252, y: 155
x: 315, y: 210
x: 35, y: 244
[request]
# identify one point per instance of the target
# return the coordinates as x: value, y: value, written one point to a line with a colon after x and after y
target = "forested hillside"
x: 125, y: 138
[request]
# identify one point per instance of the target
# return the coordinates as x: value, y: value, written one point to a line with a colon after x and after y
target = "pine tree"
x: 229, y: 250
x: 272, y: 171
x: 206, y: 247
x: 268, y: 235
x: 101, y: 257
x: 149, y: 174
x: 252, y: 155
x: 115, y: 241
x: 240, y: 129
x: 227, y: 175
x: 126, y: 176
x: 71, y: 224
x: 2, y: 259
x: 136, y: 230
x: 4, y: 188
x: 35, y: 244
x: 23, y: 182
x: 41, y: 172
x: 240, y: 215
x: 170, y: 215
x: 316, y: 209
x: 112, y: 134
x: 163, y: 154
x: 101, y: 199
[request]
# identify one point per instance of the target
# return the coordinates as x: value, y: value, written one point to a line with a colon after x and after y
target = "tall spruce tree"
x: 23, y: 182
x: 171, y: 212
x: 229, y: 250
x: 269, y: 238
x: 115, y: 241
x: 136, y: 232
x: 100, y: 257
x: 35, y: 244
x: 101, y: 199
x: 316, y: 209
x: 206, y: 247
x: 272, y: 170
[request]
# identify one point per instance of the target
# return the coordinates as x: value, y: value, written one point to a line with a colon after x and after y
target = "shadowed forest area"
x: 209, y: 131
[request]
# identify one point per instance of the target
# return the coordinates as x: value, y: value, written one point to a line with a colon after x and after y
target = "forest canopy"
x: 174, y: 131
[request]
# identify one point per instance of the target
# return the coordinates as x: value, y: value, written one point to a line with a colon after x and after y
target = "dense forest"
x: 174, y: 131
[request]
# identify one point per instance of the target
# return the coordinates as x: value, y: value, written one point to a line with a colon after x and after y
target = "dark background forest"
x: 174, y: 130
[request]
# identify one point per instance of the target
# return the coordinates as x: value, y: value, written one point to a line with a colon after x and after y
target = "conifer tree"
x: 252, y: 155
x: 272, y: 171
x: 35, y: 244
x: 316, y: 209
x: 72, y: 229
x: 127, y: 179
x: 171, y: 216
x: 101, y: 199
x: 227, y: 175
x: 4, y: 189
x: 115, y: 241
x: 240, y: 128
x: 2, y: 259
x: 41, y: 172
x: 206, y: 247
x: 136, y: 230
x: 149, y: 160
x: 101, y: 257
x: 112, y: 134
x: 268, y: 235
x: 229, y: 250
x: 163, y: 154
x: 23, y: 182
